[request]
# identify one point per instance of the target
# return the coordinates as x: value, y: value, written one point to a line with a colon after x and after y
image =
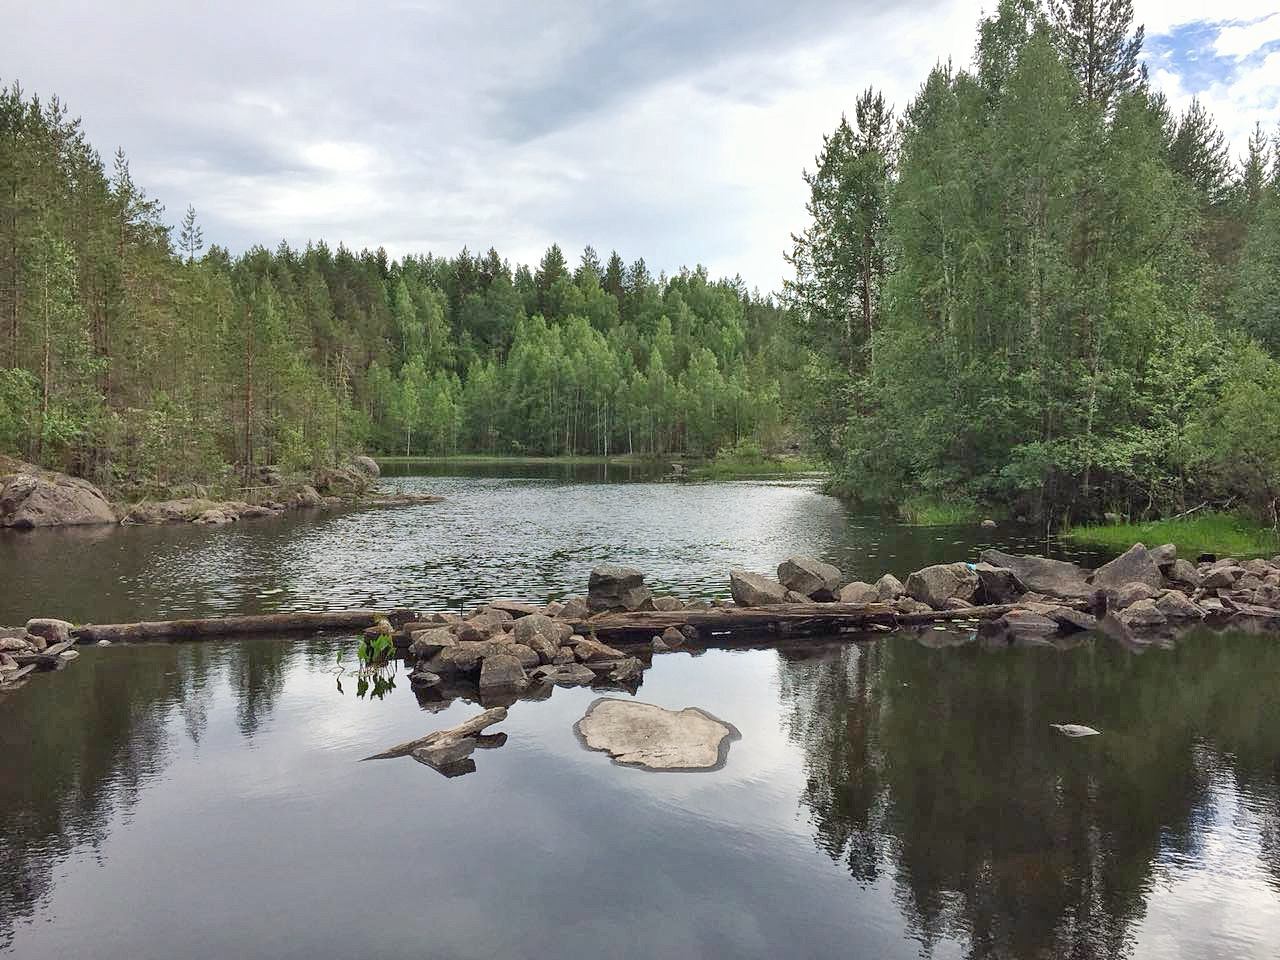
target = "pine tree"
x: 1094, y: 37
x: 191, y: 235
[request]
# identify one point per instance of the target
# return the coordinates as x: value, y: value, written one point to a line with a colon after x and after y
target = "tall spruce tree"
x: 1096, y: 39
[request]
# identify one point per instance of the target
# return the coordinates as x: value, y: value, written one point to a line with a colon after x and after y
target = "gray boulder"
x: 941, y: 582
x: 1175, y: 605
x: 889, y: 588
x: 668, y: 604
x: 545, y: 647
x: 1133, y: 566
x: 613, y: 587
x: 41, y: 499
x: 1056, y: 578
x: 527, y: 656
x: 49, y: 630
x: 793, y: 597
x: 1183, y: 571
x: 1222, y: 577
x: 808, y: 576
x: 367, y: 465
x: 998, y: 584
x: 1164, y: 555
x: 589, y: 650
x: 753, y: 590
x: 427, y: 643
x: 503, y: 671
x: 535, y: 625
x: 859, y: 592
x: 1129, y: 594
x: 575, y: 608
x: 1142, y: 615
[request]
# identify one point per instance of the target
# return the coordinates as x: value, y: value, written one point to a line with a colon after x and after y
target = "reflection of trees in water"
x: 941, y: 766
x: 77, y: 747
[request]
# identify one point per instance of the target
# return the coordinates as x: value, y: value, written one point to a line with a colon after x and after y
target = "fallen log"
x: 231, y: 626
x: 17, y: 674
x: 793, y: 618
x: 46, y: 659
x: 468, y: 728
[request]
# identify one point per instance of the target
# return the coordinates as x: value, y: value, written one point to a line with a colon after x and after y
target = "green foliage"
x: 925, y: 512
x: 1220, y: 533
x: 155, y: 362
x: 1066, y: 264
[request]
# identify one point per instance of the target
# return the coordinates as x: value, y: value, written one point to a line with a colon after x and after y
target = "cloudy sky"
x: 675, y: 130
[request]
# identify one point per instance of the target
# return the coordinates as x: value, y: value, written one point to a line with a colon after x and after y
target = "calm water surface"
x: 886, y: 799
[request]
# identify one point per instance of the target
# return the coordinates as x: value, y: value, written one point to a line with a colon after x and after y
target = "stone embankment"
x: 31, y: 497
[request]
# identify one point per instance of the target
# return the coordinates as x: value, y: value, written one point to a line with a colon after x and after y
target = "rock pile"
x: 42, y: 644
x: 33, y: 497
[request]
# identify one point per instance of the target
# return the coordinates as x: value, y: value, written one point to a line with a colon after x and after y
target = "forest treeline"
x: 1044, y: 287
x: 132, y: 354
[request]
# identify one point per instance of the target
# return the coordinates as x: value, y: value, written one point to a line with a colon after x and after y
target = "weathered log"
x: 467, y: 728
x: 46, y: 659
x: 229, y: 626
x: 17, y: 674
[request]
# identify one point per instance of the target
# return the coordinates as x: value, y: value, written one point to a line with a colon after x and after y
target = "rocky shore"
x: 31, y: 497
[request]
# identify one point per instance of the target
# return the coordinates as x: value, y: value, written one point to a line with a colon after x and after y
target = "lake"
x: 887, y: 798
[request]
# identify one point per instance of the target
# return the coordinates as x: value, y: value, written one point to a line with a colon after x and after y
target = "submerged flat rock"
x: 644, y: 735
x: 1075, y: 730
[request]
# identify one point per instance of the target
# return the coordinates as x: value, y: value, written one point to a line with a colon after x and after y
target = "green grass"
x: 1221, y: 533
x: 927, y: 512
x: 747, y: 468
x: 485, y: 458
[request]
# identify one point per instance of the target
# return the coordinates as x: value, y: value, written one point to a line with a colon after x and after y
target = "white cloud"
x: 1240, y: 40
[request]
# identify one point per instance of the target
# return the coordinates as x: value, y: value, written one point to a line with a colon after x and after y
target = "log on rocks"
x: 17, y: 674
x: 468, y: 728
x: 790, y: 618
x: 46, y: 659
x: 232, y: 626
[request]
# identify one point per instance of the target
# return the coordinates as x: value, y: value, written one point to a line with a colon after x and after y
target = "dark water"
x: 886, y: 799
x: 533, y: 536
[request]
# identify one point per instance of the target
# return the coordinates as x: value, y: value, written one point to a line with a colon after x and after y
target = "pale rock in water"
x: 645, y: 735
x: 1075, y: 730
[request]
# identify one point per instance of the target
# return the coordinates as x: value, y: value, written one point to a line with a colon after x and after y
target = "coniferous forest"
x: 1037, y: 285
x: 133, y: 354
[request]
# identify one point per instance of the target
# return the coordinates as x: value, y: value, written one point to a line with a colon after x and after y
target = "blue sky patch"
x: 1188, y: 51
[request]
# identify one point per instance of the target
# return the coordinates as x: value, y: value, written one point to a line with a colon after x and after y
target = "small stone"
x: 672, y: 637
x: 589, y: 650
x: 69, y: 655
x: 1175, y: 605
x: 445, y: 752
x: 988, y: 524
x: 424, y: 679
x: 793, y: 597
x: 1075, y: 730
x: 575, y: 608
x: 668, y: 604
x: 528, y: 657
x: 1129, y: 594
x: 1142, y: 614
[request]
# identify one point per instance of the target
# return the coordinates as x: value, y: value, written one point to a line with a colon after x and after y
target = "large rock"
x: 41, y: 499
x: 1130, y: 593
x: 754, y: 590
x: 808, y: 576
x: 575, y: 608
x: 427, y: 643
x: 858, y: 592
x: 1175, y: 605
x: 941, y: 582
x: 613, y: 587
x: 644, y: 735
x: 1056, y: 578
x: 998, y: 584
x: 535, y: 625
x: 1143, y: 615
x: 367, y: 466
x: 890, y: 588
x: 1164, y: 555
x: 1222, y: 577
x: 589, y: 650
x: 1183, y: 571
x: 49, y: 630
x: 1133, y: 566
x: 503, y: 671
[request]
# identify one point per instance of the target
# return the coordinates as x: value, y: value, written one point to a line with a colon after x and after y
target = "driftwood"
x: 46, y: 659
x: 228, y: 626
x: 468, y: 728
x: 17, y: 674
x: 790, y: 618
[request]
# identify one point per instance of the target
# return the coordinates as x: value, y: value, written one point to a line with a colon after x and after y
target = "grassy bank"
x: 927, y: 512
x: 475, y: 459
x: 1220, y: 533
x: 748, y: 468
